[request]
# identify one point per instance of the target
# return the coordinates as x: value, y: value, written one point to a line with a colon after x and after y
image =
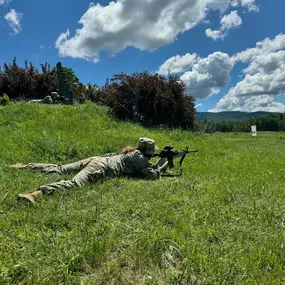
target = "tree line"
x: 148, y: 99
x: 270, y: 122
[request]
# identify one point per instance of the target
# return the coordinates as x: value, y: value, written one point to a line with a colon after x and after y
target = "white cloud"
x: 250, y: 5
x: 42, y: 47
x: 198, y: 105
x: 249, y: 104
x: 235, y: 3
x: 231, y: 20
x: 145, y: 25
x: 264, y: 79
x: 214, y: 34
x: 14, y: 20
x: 264, y: 47
x: 266, y: 63
x: 228, y: 22
x: 4, y: 2
x: 178, y: 63
x: 208, y: 75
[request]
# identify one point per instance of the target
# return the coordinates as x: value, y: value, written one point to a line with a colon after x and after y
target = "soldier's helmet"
x: 47, y: 100
x: 54, y: 95
x: 147, y: 145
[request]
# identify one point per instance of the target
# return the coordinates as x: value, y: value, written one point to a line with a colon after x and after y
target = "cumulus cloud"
x: 247, y: 4
x: 224, y: 5
x: 145, y: 25
x: 249, y: 104
x: 14, y: 18
x: 231, y: 20
x: 264, y: 79
x: 265, y: 47
x: 228, y: 22
x: 214, y: 34
x: 250, y: 5
x: 266, y: 63
x: 178, y: 63
x: 262, y: 82
x: 4, y: 2
x: 208, y: 75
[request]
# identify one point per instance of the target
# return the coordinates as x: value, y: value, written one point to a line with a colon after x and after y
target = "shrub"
x: 150, y: 99
x: 4, y: 99
x: 30, y: 83
x: 27, y: 82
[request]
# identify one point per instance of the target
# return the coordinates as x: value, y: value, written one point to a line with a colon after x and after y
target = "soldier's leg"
x: 47, y: 189
x: 18, y: 165
x: 75, y: 166
x: 44, y: 167
x: 48, y: 168
x: 90, y: 174
x: 41, y: 166
x: 62, y: 169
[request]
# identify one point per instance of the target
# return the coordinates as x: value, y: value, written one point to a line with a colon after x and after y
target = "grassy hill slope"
x: 222, y: 222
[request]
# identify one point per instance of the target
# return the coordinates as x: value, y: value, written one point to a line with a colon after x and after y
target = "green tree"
x: 150, y: 99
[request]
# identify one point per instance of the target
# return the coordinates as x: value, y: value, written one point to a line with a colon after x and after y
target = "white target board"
x: 253, y: 131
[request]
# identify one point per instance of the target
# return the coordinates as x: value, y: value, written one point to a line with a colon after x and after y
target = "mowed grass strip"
x: 222, y: 222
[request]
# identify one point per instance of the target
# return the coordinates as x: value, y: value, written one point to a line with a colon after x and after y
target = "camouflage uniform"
x: 96, y: 169
x: 46, y: 100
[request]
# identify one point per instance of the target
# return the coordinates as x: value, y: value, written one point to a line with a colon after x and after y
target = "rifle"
x: 169, y: 153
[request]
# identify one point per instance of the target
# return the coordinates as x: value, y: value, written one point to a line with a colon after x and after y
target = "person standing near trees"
x: 131, y: 161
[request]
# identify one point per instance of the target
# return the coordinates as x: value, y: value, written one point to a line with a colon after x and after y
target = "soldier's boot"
x: 30, y: 197
x: 18, y: 165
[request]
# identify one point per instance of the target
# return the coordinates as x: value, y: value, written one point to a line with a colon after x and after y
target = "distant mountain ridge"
x: 230, y: 116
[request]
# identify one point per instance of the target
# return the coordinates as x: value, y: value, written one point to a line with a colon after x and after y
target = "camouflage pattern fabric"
x: 45, y: 100
x: 96, y: 169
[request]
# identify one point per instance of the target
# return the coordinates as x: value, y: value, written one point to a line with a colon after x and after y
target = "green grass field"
x: 222, y: 222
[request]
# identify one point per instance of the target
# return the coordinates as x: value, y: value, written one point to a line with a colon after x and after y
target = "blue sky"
x: 229, y: 53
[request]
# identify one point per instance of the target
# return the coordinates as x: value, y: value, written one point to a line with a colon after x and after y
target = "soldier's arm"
x: 150, y: 173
